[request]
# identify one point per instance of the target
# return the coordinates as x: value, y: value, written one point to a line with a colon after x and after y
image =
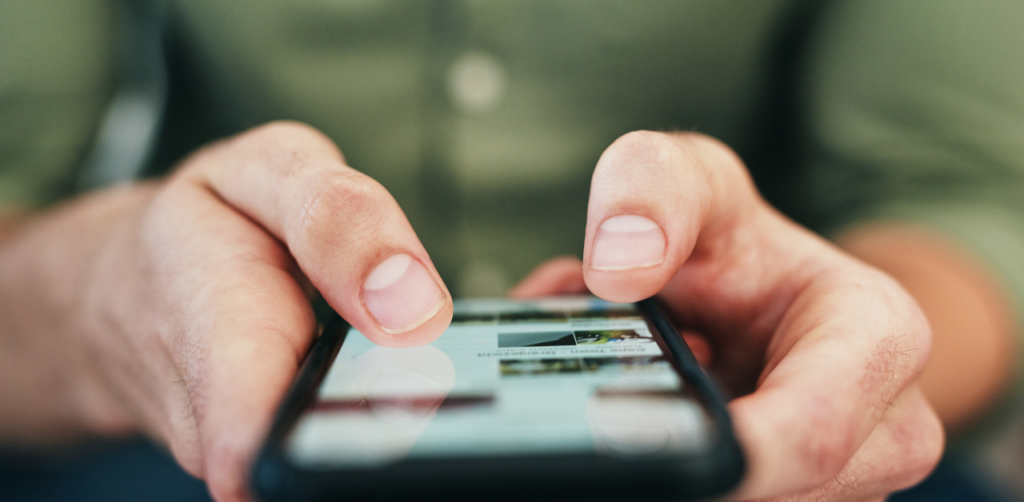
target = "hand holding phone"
x: 821, y: 351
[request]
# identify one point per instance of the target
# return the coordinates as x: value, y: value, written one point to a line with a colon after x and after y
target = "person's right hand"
x: 192, y: 296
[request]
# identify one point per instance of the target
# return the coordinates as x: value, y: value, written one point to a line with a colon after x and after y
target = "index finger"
x: 345, y: 231
x: 847, y: 346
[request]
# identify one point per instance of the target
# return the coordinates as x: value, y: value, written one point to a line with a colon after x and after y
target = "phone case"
x: 712, y: 473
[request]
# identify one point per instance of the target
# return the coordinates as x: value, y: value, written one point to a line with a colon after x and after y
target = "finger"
x: 344, y: 229
x: 558, y: 276
x: 899, y: 453
x: 846, y: 349
x: 842, y: 340
x: 239, y: 335
x: 651, y: 197
x: 904, y: 448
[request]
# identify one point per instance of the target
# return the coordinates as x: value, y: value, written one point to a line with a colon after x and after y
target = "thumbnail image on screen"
x: 550, y: 376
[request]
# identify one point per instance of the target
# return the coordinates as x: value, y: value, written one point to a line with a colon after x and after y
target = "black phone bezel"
x: 711, y: 473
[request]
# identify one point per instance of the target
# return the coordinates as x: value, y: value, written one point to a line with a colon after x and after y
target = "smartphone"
x: 555, y: 398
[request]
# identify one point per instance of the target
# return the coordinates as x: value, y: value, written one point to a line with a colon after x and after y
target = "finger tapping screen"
x: 552, y: 376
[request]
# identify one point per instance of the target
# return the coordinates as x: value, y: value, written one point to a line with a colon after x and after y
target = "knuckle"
x: 902, y: 350
x: 286, y: 146
x: 635, y: 159
x: 921, y: 440
x: 327, y: 196
x: 826, y: 455
x: 828, y: 444
x: 643, y: 137
x: 707, y: 144
x: 638, y: 149
x: 286, y: 131
x: 889, y: 370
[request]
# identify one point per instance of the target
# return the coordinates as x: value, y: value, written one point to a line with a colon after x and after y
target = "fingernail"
x: 401, y: 294
x: 626, y: 242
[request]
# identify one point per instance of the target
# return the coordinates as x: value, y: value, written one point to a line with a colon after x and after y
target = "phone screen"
x: 552, y: 376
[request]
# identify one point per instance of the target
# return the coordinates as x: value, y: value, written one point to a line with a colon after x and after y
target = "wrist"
x: 53, y: 389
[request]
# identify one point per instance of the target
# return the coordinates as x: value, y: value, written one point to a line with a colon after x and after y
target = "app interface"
x: 550, y: 376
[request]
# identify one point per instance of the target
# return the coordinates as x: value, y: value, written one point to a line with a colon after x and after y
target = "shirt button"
x: 476, y: 82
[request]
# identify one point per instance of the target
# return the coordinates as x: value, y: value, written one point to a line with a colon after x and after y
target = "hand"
x: 823, y: 350
x: 196, y: 312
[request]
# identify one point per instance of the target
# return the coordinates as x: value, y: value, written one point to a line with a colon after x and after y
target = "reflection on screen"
x: 558, y: 376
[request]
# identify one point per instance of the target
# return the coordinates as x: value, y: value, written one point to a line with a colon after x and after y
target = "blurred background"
x: 485, y: 120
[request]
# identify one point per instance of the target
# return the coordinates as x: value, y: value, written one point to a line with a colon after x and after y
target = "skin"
x: 180, y: 308
x: 972, y: 320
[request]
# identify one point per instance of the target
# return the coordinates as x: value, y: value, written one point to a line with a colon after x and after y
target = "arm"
x: 51, y: 390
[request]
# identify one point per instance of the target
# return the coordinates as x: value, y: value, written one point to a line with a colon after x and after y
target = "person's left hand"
x: 823, y: 350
